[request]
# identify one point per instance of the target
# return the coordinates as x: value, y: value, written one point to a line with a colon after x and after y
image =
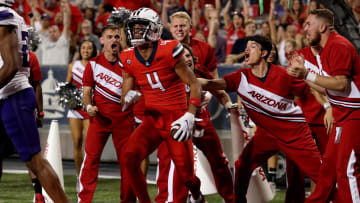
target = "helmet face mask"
x: 151, y: 31
x: 8, y: 3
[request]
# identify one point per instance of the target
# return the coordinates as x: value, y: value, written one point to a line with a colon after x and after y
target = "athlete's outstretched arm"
x: 189, y: 78
x: 210, y: 85
x: 9, y: 54
x: 222, y: 97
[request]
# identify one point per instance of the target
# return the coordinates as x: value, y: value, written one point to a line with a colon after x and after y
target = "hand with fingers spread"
x: 131, y: 98
x: 183, y: 128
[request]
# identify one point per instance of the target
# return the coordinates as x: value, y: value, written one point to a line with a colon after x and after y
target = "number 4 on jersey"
x: 157, y: 84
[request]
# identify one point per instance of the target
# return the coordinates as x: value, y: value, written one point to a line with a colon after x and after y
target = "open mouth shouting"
x: 114, y: 47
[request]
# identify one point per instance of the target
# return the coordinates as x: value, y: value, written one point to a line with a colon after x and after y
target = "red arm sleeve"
x: 211, y: 62
x: 232, y: 81
x: 340, y: 62
x: 88, y: 79
x: 177, y: 53
x: 35, y: 74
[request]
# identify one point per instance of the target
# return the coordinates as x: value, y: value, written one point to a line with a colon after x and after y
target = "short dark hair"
x: 109, y: 27
x: 265, y: 43
x: 325, y: 14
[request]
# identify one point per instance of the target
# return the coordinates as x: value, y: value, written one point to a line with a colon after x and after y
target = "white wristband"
x: 311, y: 77
x: 228, y: 105
x: 88, y: 107
x: 326, y: 105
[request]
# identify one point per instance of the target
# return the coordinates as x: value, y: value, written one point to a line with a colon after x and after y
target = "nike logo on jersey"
x: 109, y: 79
x: 268, y: 101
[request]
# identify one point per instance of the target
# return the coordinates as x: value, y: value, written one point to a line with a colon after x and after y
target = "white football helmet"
x: 151, y: 19
x: 8, y: 3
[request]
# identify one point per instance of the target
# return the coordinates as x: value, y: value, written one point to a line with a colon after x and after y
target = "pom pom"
x: 69, y: 95
x: 33, y: 39
x: 119, y: 16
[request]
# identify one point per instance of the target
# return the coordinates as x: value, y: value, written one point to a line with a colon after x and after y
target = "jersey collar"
x: 148, y: 62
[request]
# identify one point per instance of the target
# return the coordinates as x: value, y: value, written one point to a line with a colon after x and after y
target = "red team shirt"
x: 336, y: 60
x: 313, y: 110
x: 160, y: 85
x: 107, y: 81
x: 35, y: 72
x: 231, y: 37
x: 270, y: 104
x: 205, y: 54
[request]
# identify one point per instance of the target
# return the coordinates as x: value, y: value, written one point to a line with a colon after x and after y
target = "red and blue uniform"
x: 169, y: 182
x: 165, y: 101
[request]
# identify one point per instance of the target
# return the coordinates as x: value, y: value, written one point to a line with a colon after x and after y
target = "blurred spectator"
x: 88, y: 3
x: 23, y: 9
x: 289, y: 34
x: 88, y: 35
x: 104, y: 11
x: 130, y: 4
x: 234, y: 25
x: 200, y: 36
x: 170, y: 7
x: 55, y: 49
x: 355, y: 6
x: 201, y: 22
x: 296, y: 15
x: 272, y: 24
x: 313, y: 4
x: 237, y: 52
x: 215, y: 40
x: 89, y: 14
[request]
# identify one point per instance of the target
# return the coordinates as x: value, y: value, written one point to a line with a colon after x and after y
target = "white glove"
x: 184, y: 126
x: 198, y: 132
x: 131, y: 98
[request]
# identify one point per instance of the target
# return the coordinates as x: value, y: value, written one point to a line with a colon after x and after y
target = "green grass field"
x: 15, y: 188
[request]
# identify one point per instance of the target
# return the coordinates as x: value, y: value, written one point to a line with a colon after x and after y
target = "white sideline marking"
x: 17, y: 171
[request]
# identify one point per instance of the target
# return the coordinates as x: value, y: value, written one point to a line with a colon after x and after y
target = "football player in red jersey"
x: 267, y: 93
x: 180, y: 28
x: 103, y: 79
x: 158, y: 68
x: 339, y: 71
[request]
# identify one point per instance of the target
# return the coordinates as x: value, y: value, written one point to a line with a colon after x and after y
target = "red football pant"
x: 96, y: 138
x: 169, y: 181
x: 296, y: 144
x: 295, y: 192
x: 341, y: 165
x: 146, y: 138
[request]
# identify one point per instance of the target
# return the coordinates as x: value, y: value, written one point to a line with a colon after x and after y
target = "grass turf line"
x: 16, y: 188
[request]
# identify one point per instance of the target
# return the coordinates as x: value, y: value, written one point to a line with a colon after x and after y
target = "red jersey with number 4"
x: 159, y: 83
